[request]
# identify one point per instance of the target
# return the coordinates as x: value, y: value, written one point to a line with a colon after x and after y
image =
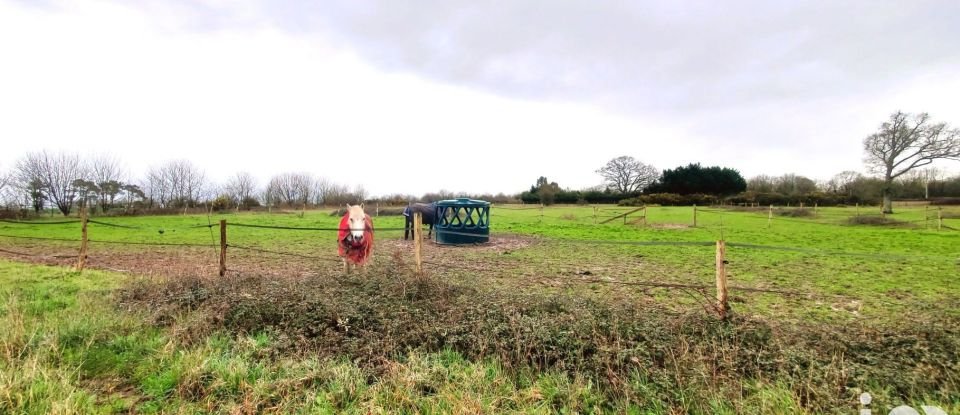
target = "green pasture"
x: 844, y: 307
x: 876, y: 270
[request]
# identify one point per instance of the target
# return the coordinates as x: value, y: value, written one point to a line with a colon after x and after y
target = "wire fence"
x: 499, y: 269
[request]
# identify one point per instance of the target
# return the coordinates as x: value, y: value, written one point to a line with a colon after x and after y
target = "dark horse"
x: 428, y: 211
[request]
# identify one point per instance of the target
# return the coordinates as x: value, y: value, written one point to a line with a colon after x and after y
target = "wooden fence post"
x: 625, y: 217
x: 418, y: 242
x: 722, y: 306
x: 858, y: 210
x: 541, y: 213
x: 223, y: 247
x: 694, y: 216
x: 939, y: 218
x: 769, y: 216
x: 82, y: 257
x: 816, y: 207
x: 644, y: 215
x: 594, y: 215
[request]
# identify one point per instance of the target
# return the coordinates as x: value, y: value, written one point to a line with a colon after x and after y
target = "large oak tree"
x: 905, y: 142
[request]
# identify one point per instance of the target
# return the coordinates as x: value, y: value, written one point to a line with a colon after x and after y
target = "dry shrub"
x: 795, y: 213
x: 875, y: 221
x: 382, y: 316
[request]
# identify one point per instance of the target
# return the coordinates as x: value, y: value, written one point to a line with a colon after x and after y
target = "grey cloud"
x: 627, y: 55
x: 693, y: 55
x: 637, y: 56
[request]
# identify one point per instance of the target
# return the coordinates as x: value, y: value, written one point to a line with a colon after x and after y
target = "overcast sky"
x: 411, y: 96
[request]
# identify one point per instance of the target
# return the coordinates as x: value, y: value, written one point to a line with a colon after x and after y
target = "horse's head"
x: 356, y: 221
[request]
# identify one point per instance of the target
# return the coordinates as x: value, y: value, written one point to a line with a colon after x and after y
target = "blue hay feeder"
x: 462, y: 221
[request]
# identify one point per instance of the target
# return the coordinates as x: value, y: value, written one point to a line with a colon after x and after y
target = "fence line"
x: 298, y: 228
x: 267, y: 251
x: 21, y: 222
x: 113, y: 225
x: 188, y: 244
x: 720, y: 306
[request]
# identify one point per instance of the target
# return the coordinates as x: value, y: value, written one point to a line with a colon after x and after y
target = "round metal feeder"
x: 462, y: 221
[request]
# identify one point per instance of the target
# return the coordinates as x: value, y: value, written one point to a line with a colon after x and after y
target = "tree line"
x: 899, y: 153
x: 66, y: 181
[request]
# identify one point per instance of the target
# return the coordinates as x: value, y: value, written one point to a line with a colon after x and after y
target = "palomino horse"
x: 428, y: 212
x: 355, y: 238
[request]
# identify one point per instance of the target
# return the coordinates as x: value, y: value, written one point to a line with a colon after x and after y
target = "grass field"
x: 823, y: 309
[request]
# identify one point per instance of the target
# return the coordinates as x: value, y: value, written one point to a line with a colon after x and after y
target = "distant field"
x: 799, y: 277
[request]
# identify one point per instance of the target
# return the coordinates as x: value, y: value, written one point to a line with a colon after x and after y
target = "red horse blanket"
x: 355, y: 251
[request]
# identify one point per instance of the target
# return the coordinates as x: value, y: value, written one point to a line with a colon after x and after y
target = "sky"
x: 416, y: 96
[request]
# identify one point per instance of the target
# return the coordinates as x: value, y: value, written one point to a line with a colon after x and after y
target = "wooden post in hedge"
x: 769, y: 216
x: 722, y: 305
x: 694, y: 215
x: 223, y: 247
x: 644, y: 215
x: 418, y: 242
x: 82, y: 257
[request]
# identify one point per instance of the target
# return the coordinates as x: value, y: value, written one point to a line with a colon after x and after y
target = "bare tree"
x: 792, y: 184
x: 240, y: 189
x: 4, y: 180
x: 337, y: 194
x: 843, y: 182
x: 291, y: 189
x: 627, y: 175
x: 761, y: 184
x: 55, y: 173
x: 106, y: 172
x: 8, y: 194
x: 322, y: 189
x: 360, y: 193
x: 178, y: 183
x: 154, y: 187
x: 905, y: 142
